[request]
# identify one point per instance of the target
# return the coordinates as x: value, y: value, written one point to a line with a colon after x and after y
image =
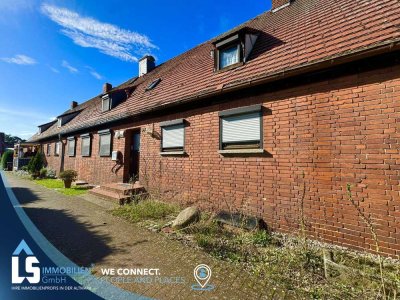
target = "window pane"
x: 136, y: 142
x: 85, y: 146
x: 228, y: 56
x: 105, y: 144
x: 106, y: 104
x: 57, y: 148
x: 173, y: 136
x: 71, y: 147
x: 241, y: 128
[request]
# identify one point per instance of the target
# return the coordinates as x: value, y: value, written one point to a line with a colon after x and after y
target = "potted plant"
x: 68, y: 176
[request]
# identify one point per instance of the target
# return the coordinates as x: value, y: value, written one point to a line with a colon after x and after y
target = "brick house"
x: 287, y: 108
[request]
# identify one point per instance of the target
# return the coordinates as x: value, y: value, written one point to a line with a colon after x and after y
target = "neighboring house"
x: 3, y: 144
x: 274, y: 117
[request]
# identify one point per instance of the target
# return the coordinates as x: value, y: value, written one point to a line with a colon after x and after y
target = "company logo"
x: 202, y: 274
x: 30, y: 260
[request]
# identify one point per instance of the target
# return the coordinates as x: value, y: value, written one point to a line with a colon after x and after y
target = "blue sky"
x: 57, y: 51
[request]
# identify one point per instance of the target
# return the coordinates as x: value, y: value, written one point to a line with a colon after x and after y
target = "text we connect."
x: 126, y: 271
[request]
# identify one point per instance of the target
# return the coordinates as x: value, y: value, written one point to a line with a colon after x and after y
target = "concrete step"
x: 116, y: 197
x: 123, y: 188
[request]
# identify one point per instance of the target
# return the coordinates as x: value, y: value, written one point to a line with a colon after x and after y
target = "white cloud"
x: 94, y: 73
x: 54, y: 70
x: 19, y: 59
x: 91, y: 33
x: 70, y: 68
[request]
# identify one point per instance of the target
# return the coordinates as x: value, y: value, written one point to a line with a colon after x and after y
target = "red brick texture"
x: 337, y: 132
x: 318, y: 138
x: 93, y: 169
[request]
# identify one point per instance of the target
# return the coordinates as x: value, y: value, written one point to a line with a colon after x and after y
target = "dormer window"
x: 112, y: 99
x: 44, y: 127
x: 105, y: 103
x: 229, y: 56
x: 66, y: 117
x: 234, y: 50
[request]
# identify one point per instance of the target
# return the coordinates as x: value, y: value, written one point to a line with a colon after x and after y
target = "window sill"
x: 173, y: 153
x: 230, y: 67
x: 242, y: 151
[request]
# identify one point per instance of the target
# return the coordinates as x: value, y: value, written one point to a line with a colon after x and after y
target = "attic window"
x: 59, y: 122
x: 111, y: 100
x: 105, y: 103
x: 153, y: 84
x: 234, y: 50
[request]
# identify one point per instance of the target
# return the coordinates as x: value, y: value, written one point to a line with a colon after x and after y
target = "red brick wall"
x: 52, y: 161
x: 336, y: 132
x: 93, y: 169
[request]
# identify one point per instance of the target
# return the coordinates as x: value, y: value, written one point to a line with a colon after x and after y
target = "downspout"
x: 62, y: 153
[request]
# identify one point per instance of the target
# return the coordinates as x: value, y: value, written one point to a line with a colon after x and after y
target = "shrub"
x: 5, y: 158
x: 261, y: 238
x: 43, y: 173
x: 36, y: 163
x: 24, y: 168
x: 68, y: 175
x: 51, y: 173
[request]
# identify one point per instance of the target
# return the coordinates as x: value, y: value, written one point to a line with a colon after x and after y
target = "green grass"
x: 295, y: 264
x: 146, y: 210
x: 58, y: 185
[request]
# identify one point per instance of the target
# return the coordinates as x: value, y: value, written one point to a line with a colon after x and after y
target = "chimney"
x: 146, y: 64
x: 107, y: 87
x: 279, y: 4
x: 74, y: 104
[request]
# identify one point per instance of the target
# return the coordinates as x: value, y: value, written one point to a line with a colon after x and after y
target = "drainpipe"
x: 61, y: 153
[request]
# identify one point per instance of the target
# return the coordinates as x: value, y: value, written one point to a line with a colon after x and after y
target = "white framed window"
x: 105, y: 103
x: 71, y: 146
x: 104, y: 143
x: 86, y: 145
x: 57, y: 148
x: 241, y: 128
x: 229, y: 56
x: 48, y: 149
x: 172, y: 136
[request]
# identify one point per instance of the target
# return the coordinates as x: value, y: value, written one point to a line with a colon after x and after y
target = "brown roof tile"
x: 306, y: 32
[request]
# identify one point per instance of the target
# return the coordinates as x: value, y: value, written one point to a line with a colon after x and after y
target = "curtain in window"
x: 229, y: 56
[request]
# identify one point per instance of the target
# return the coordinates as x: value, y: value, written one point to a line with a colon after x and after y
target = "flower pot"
x: 67, y: 184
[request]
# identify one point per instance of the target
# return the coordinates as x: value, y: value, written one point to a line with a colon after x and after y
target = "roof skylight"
x: 153, y: 84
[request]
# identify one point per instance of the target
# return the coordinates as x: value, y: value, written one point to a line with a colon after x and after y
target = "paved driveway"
x: 85, y: 232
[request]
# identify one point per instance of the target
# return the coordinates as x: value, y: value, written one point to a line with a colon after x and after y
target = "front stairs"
x: 119, y: 193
